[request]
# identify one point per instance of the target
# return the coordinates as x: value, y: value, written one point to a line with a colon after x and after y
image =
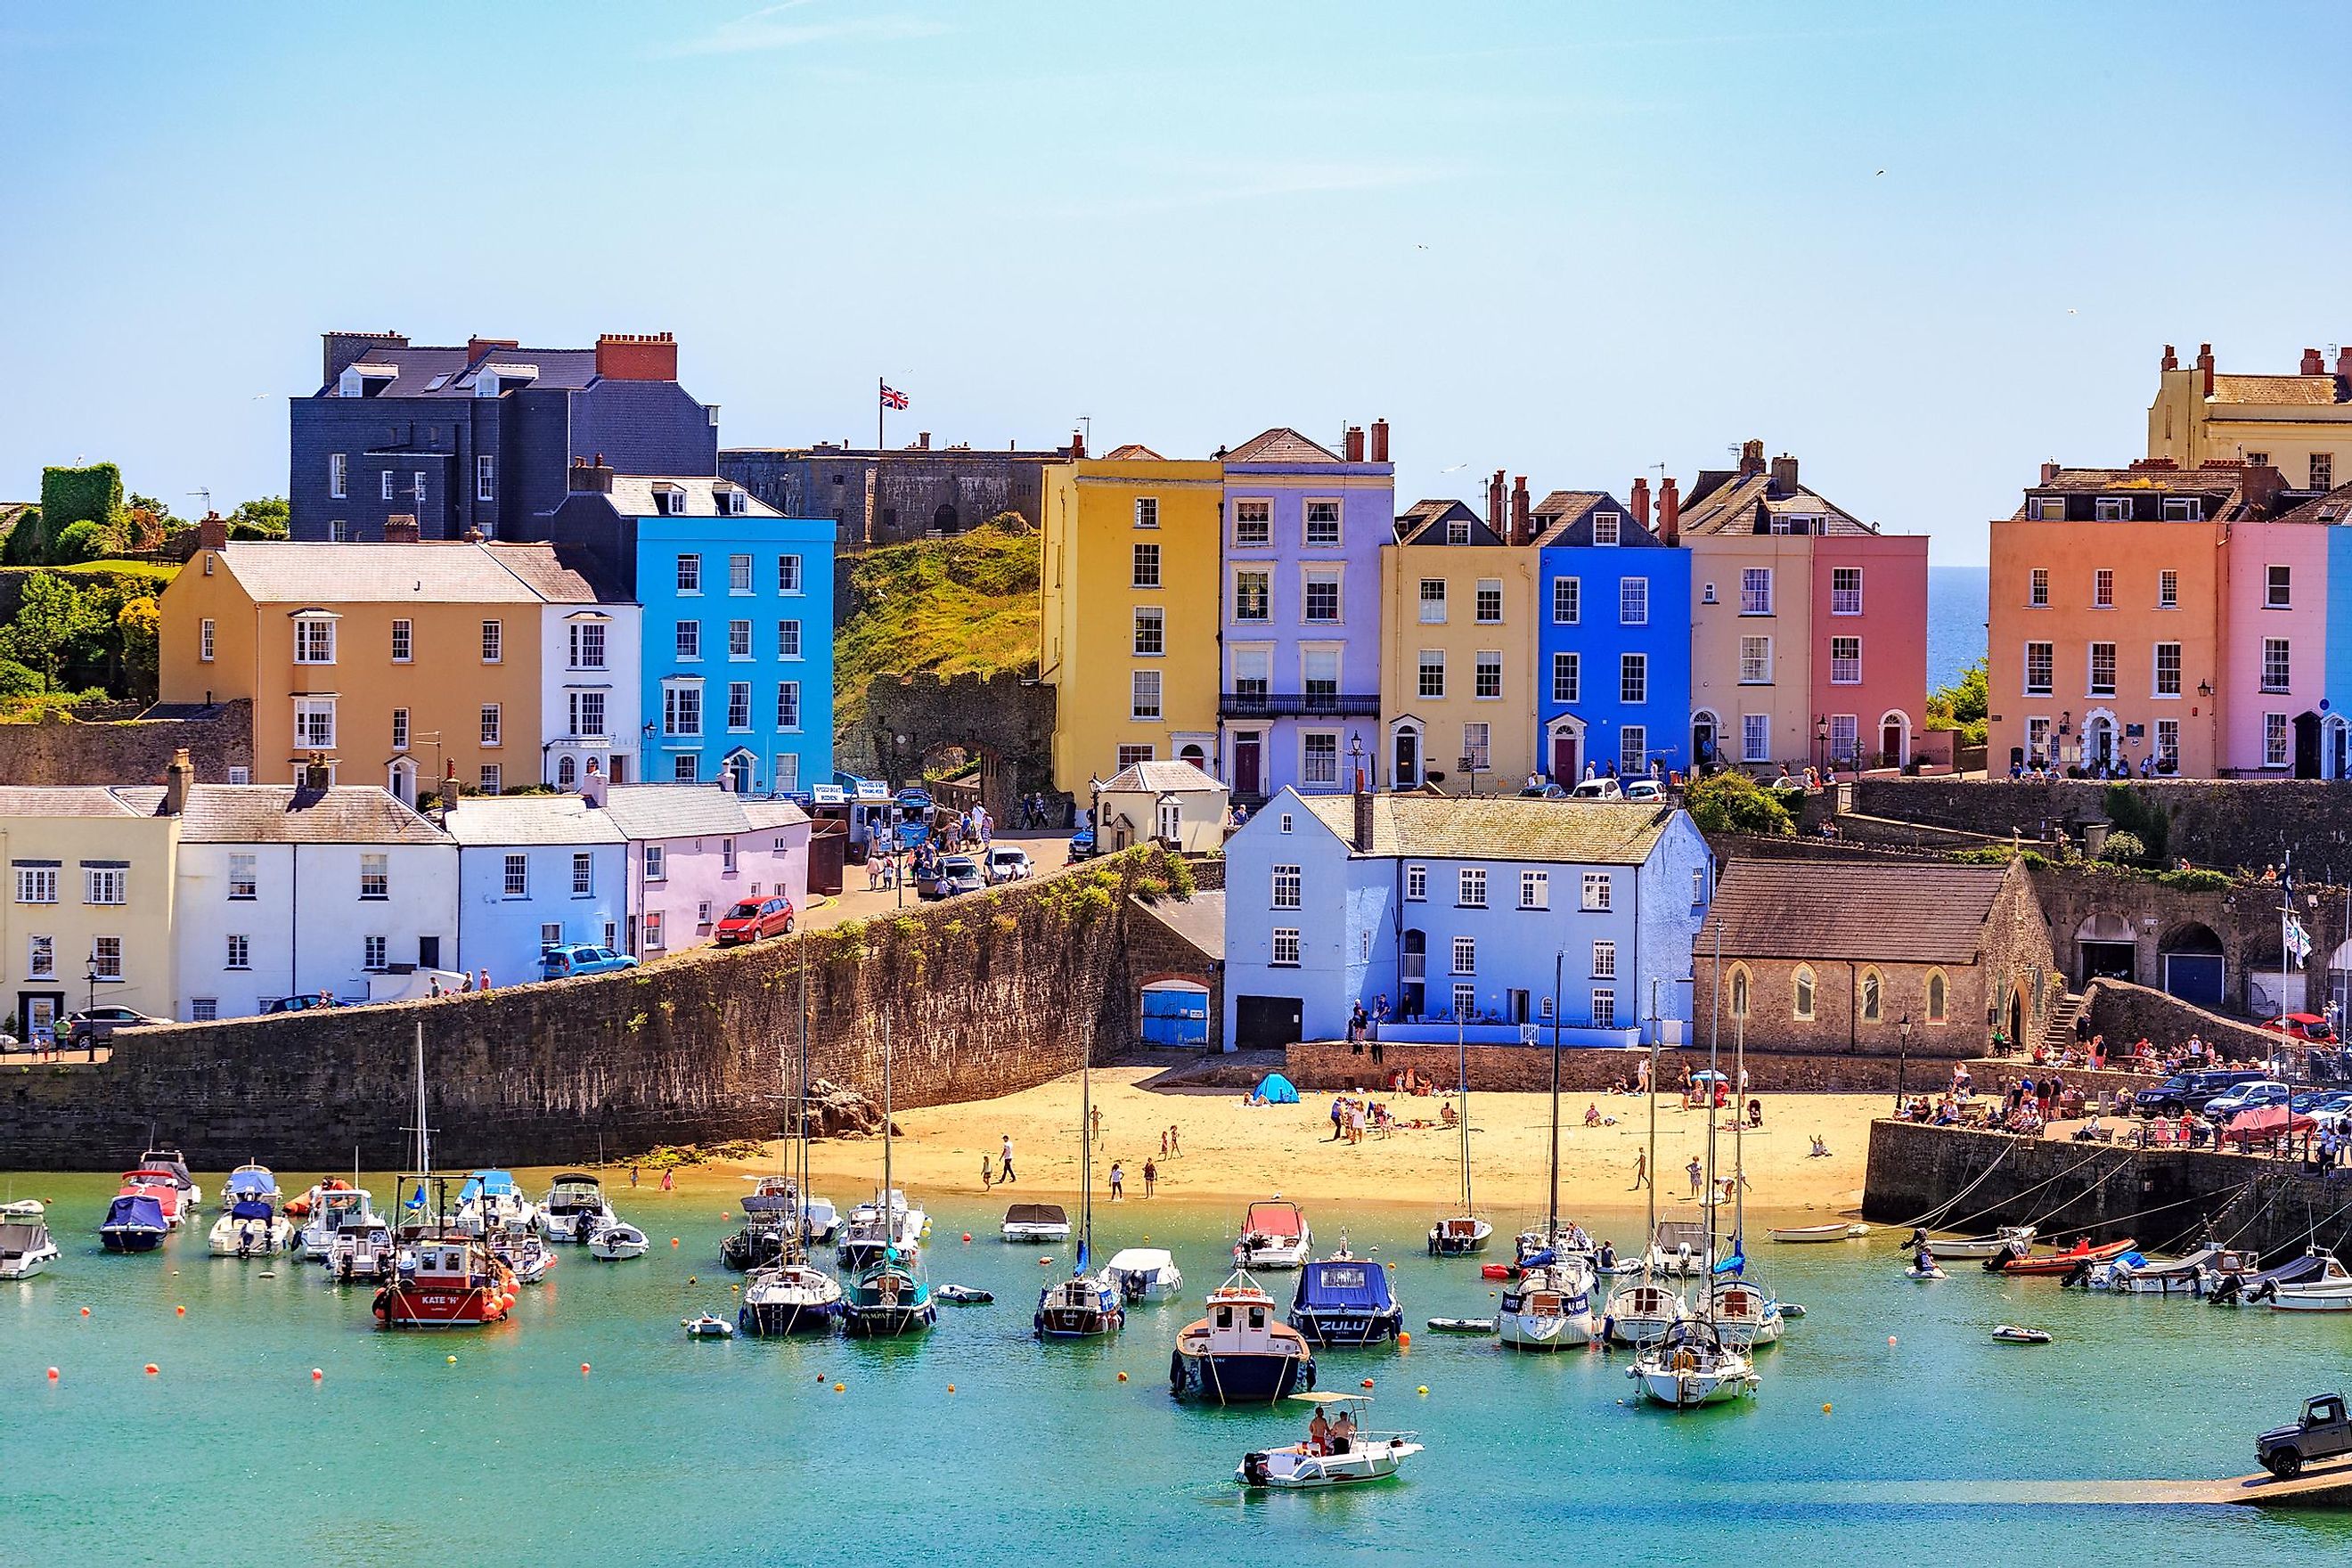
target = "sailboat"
x: 792, y: 1295
x: 889, y: 1297
x: 1643, y: 1305
x: 1084, y: 1306
x: 443, y: 1277
x: 1745, y: 1313
x: 1550, y: 1305
x: 1461, y: 1235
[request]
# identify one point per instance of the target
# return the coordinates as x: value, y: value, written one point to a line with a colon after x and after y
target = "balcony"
x: 1299, y: 705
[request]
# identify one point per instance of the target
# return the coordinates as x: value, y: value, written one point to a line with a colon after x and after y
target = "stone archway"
x: 1002, y: 721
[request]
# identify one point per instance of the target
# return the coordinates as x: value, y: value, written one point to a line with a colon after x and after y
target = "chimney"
x: 400, y: 528
x: 177, y: 779
x: 1670, y: 512
x: 350, y: 348
x: 1077, y: 444
x: 636, y: 356
x: 2171, y: 358
x: 1784, y: 472
x: 1380, y: 440
x: 472, y: 535
x: 1354, y: 447
x: 2314, y: 362
x: 1495, y: 503
x: 591, y: 478
x: 479, y: 349
x: 2261, y: 484
x: 1640, y: 504
x: 316, y: 778
x: 2344, y: 363
x: 922, y: 440
x: 592, y: 785
x: 1522, y: 527
x: 1363, y: 814
x: 1751, y: 457
x: 2050, y: 471
x: 727, y: 780
x: 2205, y: 365
x: 212, y: 533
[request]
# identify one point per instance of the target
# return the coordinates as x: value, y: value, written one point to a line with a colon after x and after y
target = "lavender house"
x: 1301, y: 678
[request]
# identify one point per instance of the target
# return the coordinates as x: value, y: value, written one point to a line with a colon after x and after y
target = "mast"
x: 1085, y: 1158
x: 889, y: 1214
x: 1462, y: 1048
x: 1714, y: 1086
x: 1552, y: 1210
x: 799, y: 1227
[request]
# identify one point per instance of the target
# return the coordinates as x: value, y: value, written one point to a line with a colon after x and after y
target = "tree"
x: 80, y: 541
x: 28, y: 540
x: 266, y: 518
x: 1962, y: 705
x: 1731, y: 802
x: 140, y: 623
x: 55, y: 625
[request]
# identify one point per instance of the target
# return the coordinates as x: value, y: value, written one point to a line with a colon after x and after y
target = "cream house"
x: 2300, y: 424
x: 1174, y: 804
x: 89, y: 913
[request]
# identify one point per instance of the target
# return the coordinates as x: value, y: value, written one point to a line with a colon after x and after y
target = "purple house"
x: 1301, y: 677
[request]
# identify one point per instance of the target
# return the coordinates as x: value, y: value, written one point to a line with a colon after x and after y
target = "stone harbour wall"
x: 1328, y: 1066
x: 2224, y: 823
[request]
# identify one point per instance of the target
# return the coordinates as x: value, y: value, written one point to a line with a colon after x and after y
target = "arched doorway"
x: 2016, y: 1016
x: 1405, y: 755
x: 1894, y: 738
x: 401, y: 780
x: 2098, y: 740
x: 2190, y: 964
x: 567, y: 772
x: 740, y: 773
x: 1565, y: 751
x: 943, y: 521
x: 2307, y: 745
x: 2106, y: 944
x: 1193, y: 751
x: 1703, y: 733
x: 2335, y: 748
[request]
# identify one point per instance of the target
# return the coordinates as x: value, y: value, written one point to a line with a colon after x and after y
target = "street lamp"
x: 1820, y: 740
x: 1903, y: 1065
x: 1356, y: 758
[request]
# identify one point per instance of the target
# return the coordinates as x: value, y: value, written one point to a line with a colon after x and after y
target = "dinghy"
x: 1462, y: 1325
x: 966, y: 1294
x: 707, y: 1327
x: 2010, y: 1334
x: 616, y: 1243
x: 1809, y: 1232
x: 1360, y: 1456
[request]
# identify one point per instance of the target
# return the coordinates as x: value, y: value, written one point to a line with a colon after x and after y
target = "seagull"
x: 1880, y: 172
x: 1454, y: 470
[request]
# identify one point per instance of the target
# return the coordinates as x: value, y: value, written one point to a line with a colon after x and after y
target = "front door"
x: 39, y: 1013
x: 2307, y: 745
x: 1890, y: 743
x: 1408, y: 759
x: 1703, y: 742
x: 1563, y: 759
x: 1247, y: 751
x: 1266, y: 1023
x: 428, y: 952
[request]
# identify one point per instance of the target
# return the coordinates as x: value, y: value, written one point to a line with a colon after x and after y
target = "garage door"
x: 1176, y: 1016
x: 1266, y: 1022
x: 2194, y: 977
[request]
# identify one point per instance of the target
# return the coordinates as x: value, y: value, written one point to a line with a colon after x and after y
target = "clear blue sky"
x: 1562, y: 241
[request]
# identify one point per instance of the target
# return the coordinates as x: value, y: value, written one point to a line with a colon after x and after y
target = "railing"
x: 1299, y: 704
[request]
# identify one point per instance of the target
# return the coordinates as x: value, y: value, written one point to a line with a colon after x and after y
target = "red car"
x: 754, y: 920
x: 2301, y: 1027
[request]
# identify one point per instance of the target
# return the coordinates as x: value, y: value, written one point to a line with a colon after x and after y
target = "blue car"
x: 1082, y: 844
x: 563, y: 963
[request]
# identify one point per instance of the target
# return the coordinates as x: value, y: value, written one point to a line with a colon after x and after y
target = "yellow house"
x: 1130, y: 590
x: 89, y: 912
x: 2300, y: 424
x: 1457, y: 652
x: 395, y: 661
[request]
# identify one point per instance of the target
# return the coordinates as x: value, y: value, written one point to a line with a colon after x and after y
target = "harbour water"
x: 1889, y: 1427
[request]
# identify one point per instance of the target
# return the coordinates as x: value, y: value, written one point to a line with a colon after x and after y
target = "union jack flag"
x: 892, y: 397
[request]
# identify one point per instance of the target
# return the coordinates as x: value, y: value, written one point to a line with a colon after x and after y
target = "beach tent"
x: 1275, y: 1089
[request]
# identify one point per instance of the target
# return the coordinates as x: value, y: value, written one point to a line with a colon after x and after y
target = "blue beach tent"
x: 1274, y: 1089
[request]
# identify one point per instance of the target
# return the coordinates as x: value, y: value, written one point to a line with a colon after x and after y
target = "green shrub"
x: 82, y: 542
x: 28, y: 544
x: 15, y: 680
x: 2194, y: 881
x: 2124, y: 848
x: 1731, y: 802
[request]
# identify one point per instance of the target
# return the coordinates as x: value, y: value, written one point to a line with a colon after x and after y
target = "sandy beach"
x: 1232, y: 1150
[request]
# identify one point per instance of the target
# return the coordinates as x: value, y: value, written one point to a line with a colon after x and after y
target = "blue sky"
x: 1565, y: 241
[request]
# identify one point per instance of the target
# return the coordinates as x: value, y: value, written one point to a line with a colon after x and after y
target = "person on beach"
x: 1175, y: 1144
x: 1698, y: 1174
x: 987, y: 1171
x: 1640, y: 1170
x: 1098, y: 1119
x: 633, y: 1177
x: 1118, y: 1183
x: 1150, y: 1175
x: 1336, y: 1127
x: 669, y: 1179
x: 1163, y: 1143
x: 1004, y: 1162
x: 1821, y: 1150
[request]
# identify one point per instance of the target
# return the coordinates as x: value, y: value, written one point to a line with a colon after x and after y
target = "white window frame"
x: 1488, y: 604
x: 1150, y: 631
x: 375, y: 955
x: 1288, y: 889
x: 2158, y: 686
x: 1755, y: 737
x: 1567, y: 601
x: 1464, y: 952
x: 2103, y: 588
x: 1265, y: 581
x: 788, y: 641
x: 493, y: 726
x: 2040, y: 668
x: 689, y: 572
x: 1145, y: 696
x: 1432, y: 602
x: 1253, y: 522
x: 1604, y: 959
x: 314, y: 639
x: 1845, y: 667
x: 1486, y: 675
x: 1846, y: 600
x: 1534, y: 890
x: 1756, y: 590
x: 1141, y: 557
x: 2278, y: 588
x: 375, y: 878
x: 2277, y: 742
x: 237, y: 952
x: 739, y: 640
x: 2092, y: 660
x: 486, y: 477
x: 1147, y: 511
x: 739, y: 574
x: 1567, y: 677
x: 788, y: 709
x: 106, y: 957
x: 788, y: 574
x: 41, y: 956
x: 403, y: 640
x: 1756, y: 660
x: 1595, y: 892
x: 739, y: 707
x: 1308, y: 521
x: 1416, y: 884
x: 1312, y: 744
x: 1318, y: 576
x: 494, y: 642
x: 204, y: 639
x: 2037, y: 588
x: 1633, y: 678
x: 2168, y: 589
x: 314, y: 723
x: 339, y: 475
x: 244, y: 878
x: 1632, y: 601
x: 1283, y: 952
x: 2278, y: 665
x: 514, y: 877
x: 1608, y: 529
x: 400, y: 729
x: 1428, y: 677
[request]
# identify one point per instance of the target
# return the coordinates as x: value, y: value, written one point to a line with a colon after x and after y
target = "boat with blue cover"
x: 134, y: 1222
x: 1344, y: 1300
x: 494, y: 1200
x: 253, y: 1226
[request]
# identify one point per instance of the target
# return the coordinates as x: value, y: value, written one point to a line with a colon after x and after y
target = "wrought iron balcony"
x: 1299, y: 705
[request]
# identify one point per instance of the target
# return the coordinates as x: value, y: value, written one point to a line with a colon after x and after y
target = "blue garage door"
x: 1176, y: 1016
x: 2194, y: 977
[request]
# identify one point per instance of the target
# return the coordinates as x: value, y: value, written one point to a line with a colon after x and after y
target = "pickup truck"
x: 2190, y: 1090
x: 2323, y: 1433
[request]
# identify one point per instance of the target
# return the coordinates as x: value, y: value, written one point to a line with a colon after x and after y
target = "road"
x: 1049, y: 851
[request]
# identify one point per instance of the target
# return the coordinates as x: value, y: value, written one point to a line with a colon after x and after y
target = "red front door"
x: 1563, y: 759
x: 1245, y: 766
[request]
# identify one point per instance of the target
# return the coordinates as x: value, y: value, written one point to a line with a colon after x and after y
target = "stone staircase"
x: 2058, y: 1035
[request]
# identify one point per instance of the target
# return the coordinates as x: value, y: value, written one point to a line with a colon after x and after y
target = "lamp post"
x: 1356, y: 760
x: 1821, y: 739
x: 1903, y: 1065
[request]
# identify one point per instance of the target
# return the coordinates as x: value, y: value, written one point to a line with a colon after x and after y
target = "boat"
x: 790, y: 1294
x: 574, y: 1208
x: 524, y: 1251
x: 170, y: 1196
x: 25, y: 1248
x: 2010, y: 1334
x: 1241, y: 1353
x: 1840, y: 1231
x: 1692, y: 1366
x: 2255, y: 1289
x: 2007, y: 1238
x: 1459, y: 1237
x: 1360, y: 1456
x: 360, y: 1246
x: 250, y: 1181
x: 1034, y: 1223
x: 1925, y: 1269
x: 2329, y: 1289
x: 1274, y: 1235
x: 966, y: 1294
x: 1145, y: 1273
x: 1678, y: 1246
x: 1344, y: 1300
x: 134, y: 1222
x: 2131, y: 1274
x: 1745, y: 1313
x: 251, y: 1227
x: 442, y: 1277
x: 1550, y: 1305
x: 868, y: 1233
x: 617, y: 1242
x: 1464, y: 1232
x: 707, y: 1327
x: 2082, y: 1254
x: 888, y: 1298
x: 1084, y: 1305
x: 768, y: 1214
x: 1462, y: 1325
x: 322, y: 1210
x: 492, y: 1199
x: 168, y: 1160
x: 22, y: 1210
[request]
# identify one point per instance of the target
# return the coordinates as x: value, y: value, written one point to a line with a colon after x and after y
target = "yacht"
x: 1678, y: 1246
x: 1692, y: 1366
x: 868, y: 1235
x: 574, y: 1208
x: 1550, y: 1305
x: 25, y: 1248
x: 791, y: 1296
x: 1745, y: 1314
x: 889, y: 1299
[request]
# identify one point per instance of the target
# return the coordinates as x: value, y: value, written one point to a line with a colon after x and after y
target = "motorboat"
x: 1549, y: 1307
x: 1145, y: 1273
x: 2255, y: 1288
x: 617, y: 1242
x: 2007, y: 1239
x: 167, y: 1159
x: 2328, y: 1290
x: 2132, y: 1274
x: 888, y: 1300
x: 25, y: 1248
x: 767, y: 1214
x: 707, y: 1327
x: 492, y: 1200
x: 23, y: 1209
x: 1840, y: 1231
x: 250, y: 1181
x: 2082, y: 1254
x: 1459, y: 1237
x: 252, y: 1227
x: 966, y: 1294
x: 1358, y: 1455
x: 574, y: 1208
x: 134, y: 1222
x: 360, y: 1246
x: 1241, y: 1353
x: 169, y: 1196
x: 1344, y: 1300
x: 1678, y: 1246
x: 868, y: 1235
x: 445, y: 1278
x: 1642, y: 1309
x: 1274, y: 1235
x: 1692, y: 1366
x: 1745, y: 1313
x: 323, y: 1210
x: 1462, y: 1325
x: 1084, y: 1305
x: 2010, y: 1334
x: 795, y: 1297
x: 524, y: 1251
x: 1034, y: 1223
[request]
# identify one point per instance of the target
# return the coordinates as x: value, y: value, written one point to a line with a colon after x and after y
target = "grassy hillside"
x: 965, y: 605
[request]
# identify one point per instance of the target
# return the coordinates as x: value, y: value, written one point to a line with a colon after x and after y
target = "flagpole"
x: 880, y: 403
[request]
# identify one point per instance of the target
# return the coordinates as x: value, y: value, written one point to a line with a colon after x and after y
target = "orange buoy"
x: 1404, y: 1337
x: 967, y: 1235
x: 152, y: 1368
x: 673, y: 1241
x: 85, y: 1312
x: 53, y: 1374
x: 1825, y: 1409
x: 950, y: 1388
x: 584, y: 1366
x: 1890, y: 1339
x: 1122, y: 1377
x: 1367, y: 1383
x: 180, y: 1312
x: 840, y: 1387
x: 317, y: 1375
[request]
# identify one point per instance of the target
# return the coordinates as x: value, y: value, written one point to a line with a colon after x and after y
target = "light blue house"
x: 1613, y: 639
x: 534, y: 872
x: 1461, y: 908
x: 738, y: 626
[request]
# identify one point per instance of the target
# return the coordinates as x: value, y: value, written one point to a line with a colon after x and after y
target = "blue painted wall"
x: 1599, y: 638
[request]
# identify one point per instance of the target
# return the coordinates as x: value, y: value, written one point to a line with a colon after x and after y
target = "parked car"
x: 1546, y: 790
x: 2303, y: 1026
x: 1008, y: 863
x: 2328, y: 1110
x: 2247, y: 1097
x: 2185, y: 1091
x: 564, y: 961
x: 1082, y: 844
x: 2324, y: 1432
x: 956, y: 874
x: 302, y: 1004
x: 1599, y: 789
x: 1648, y: 791
x: 95, y: 1026
x: 754, y: 920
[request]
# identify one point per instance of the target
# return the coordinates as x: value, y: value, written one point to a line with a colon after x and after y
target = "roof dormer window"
x: 669, y: 500
x: 365, y: 380
x: 2111, y: 509
x: 2184, y: 509
x: 732, y: 502
x: 2046, y: 509
x: 1457, y: 531
x: 1605, y: 526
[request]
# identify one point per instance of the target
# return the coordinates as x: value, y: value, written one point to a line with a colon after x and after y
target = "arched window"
x: 567, y: 772
x: 1739, y: 991
x: 1874, y: 996
x: 1803, y: 1008
x: 1936, y: 997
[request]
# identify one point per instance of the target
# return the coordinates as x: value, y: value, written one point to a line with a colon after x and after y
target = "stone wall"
x: 2159, y: 1197
x: 2126, y: 1014
x: 58, y: 750
x: 1007, y: 722
x: 2083, y: 903
x: 988, y: 994
x: 2225, y: 822
x: 1325, y: 1066
x: 892, y: 496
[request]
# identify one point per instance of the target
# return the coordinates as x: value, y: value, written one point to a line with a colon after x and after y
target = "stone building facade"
x: 890, y: 496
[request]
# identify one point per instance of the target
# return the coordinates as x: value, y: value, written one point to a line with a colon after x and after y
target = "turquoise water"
x: 674, y: 1451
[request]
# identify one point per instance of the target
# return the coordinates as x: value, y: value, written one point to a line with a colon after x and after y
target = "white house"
x: 696, y: 850
x: 591, y: 709
x: 534, y: 872
x: 287, y: 889
x: 1164, y: 801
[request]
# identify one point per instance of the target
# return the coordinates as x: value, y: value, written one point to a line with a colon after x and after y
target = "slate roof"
x: 527, y: 819
x: 1565, y: 518
x: 1912, y: 912
x: 1425, y: 522
x: 561, y: 573
x: 2334, y: 506
x: 417, y: 365
x: 1498, y: 829
x: 1159, y: 776
x: 632, y: 496
x: 763, y: 813
x: 322, y: 573
x: 62, y: 800
x: 288, y: 814
x: 1199, y: 921
x: 1280, y: 444
x: 2307, y: 390
x: 674, y: 810
x: 1729, y: 503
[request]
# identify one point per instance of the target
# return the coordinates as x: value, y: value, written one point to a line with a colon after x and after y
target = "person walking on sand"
x: 1698, y: 1174
x: 1163, y: 1143
x: 1118, y: 1183
x: 987, y: 1171
x: 1640, y: 1170
x: 1175, y: 1142
x: 1004, y: 1162
x: 633, y: 1177
x: 1098, y: 1119
x: 1150, y: 1175
x: 667, y: 1181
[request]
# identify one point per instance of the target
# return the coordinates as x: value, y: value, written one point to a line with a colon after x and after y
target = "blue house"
x: 1612, y: 638
x: 480, y: 438
x: 1460, y: 909
x: 533, y: 872
x: 738, y: 624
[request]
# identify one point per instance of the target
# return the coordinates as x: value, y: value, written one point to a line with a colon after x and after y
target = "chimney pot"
x: 1522, y: 526
x: 636, y: 356
x: 2344, y: 363
x: 1640, y: 504
x: 2205, y: 365
x: 212, y: 533
x: 1751, y: 457
x: 400, y: 528
x: 1784, y: 472
x: 1494, y: 503
x: 1355, y: 444
x: 2050, y: 471
x: 591, y: 479
x: 2171, y: 358
x: 177, y: 779
x: 922, y: 440
x: 2314, y: 362
x: 1380, y: 440
x: 1669, y: 511
x: 1077, y: 444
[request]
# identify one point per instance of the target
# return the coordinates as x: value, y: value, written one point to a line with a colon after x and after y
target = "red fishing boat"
x: 446, y: 1281
x: 2066, y: 1262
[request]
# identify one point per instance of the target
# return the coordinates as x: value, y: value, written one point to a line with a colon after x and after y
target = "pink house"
x: 2274, y: 641
x: 696, y: 850
x: 1870, y: 644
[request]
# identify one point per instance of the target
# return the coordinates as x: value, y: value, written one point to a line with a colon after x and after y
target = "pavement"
x: 1049, y: 853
